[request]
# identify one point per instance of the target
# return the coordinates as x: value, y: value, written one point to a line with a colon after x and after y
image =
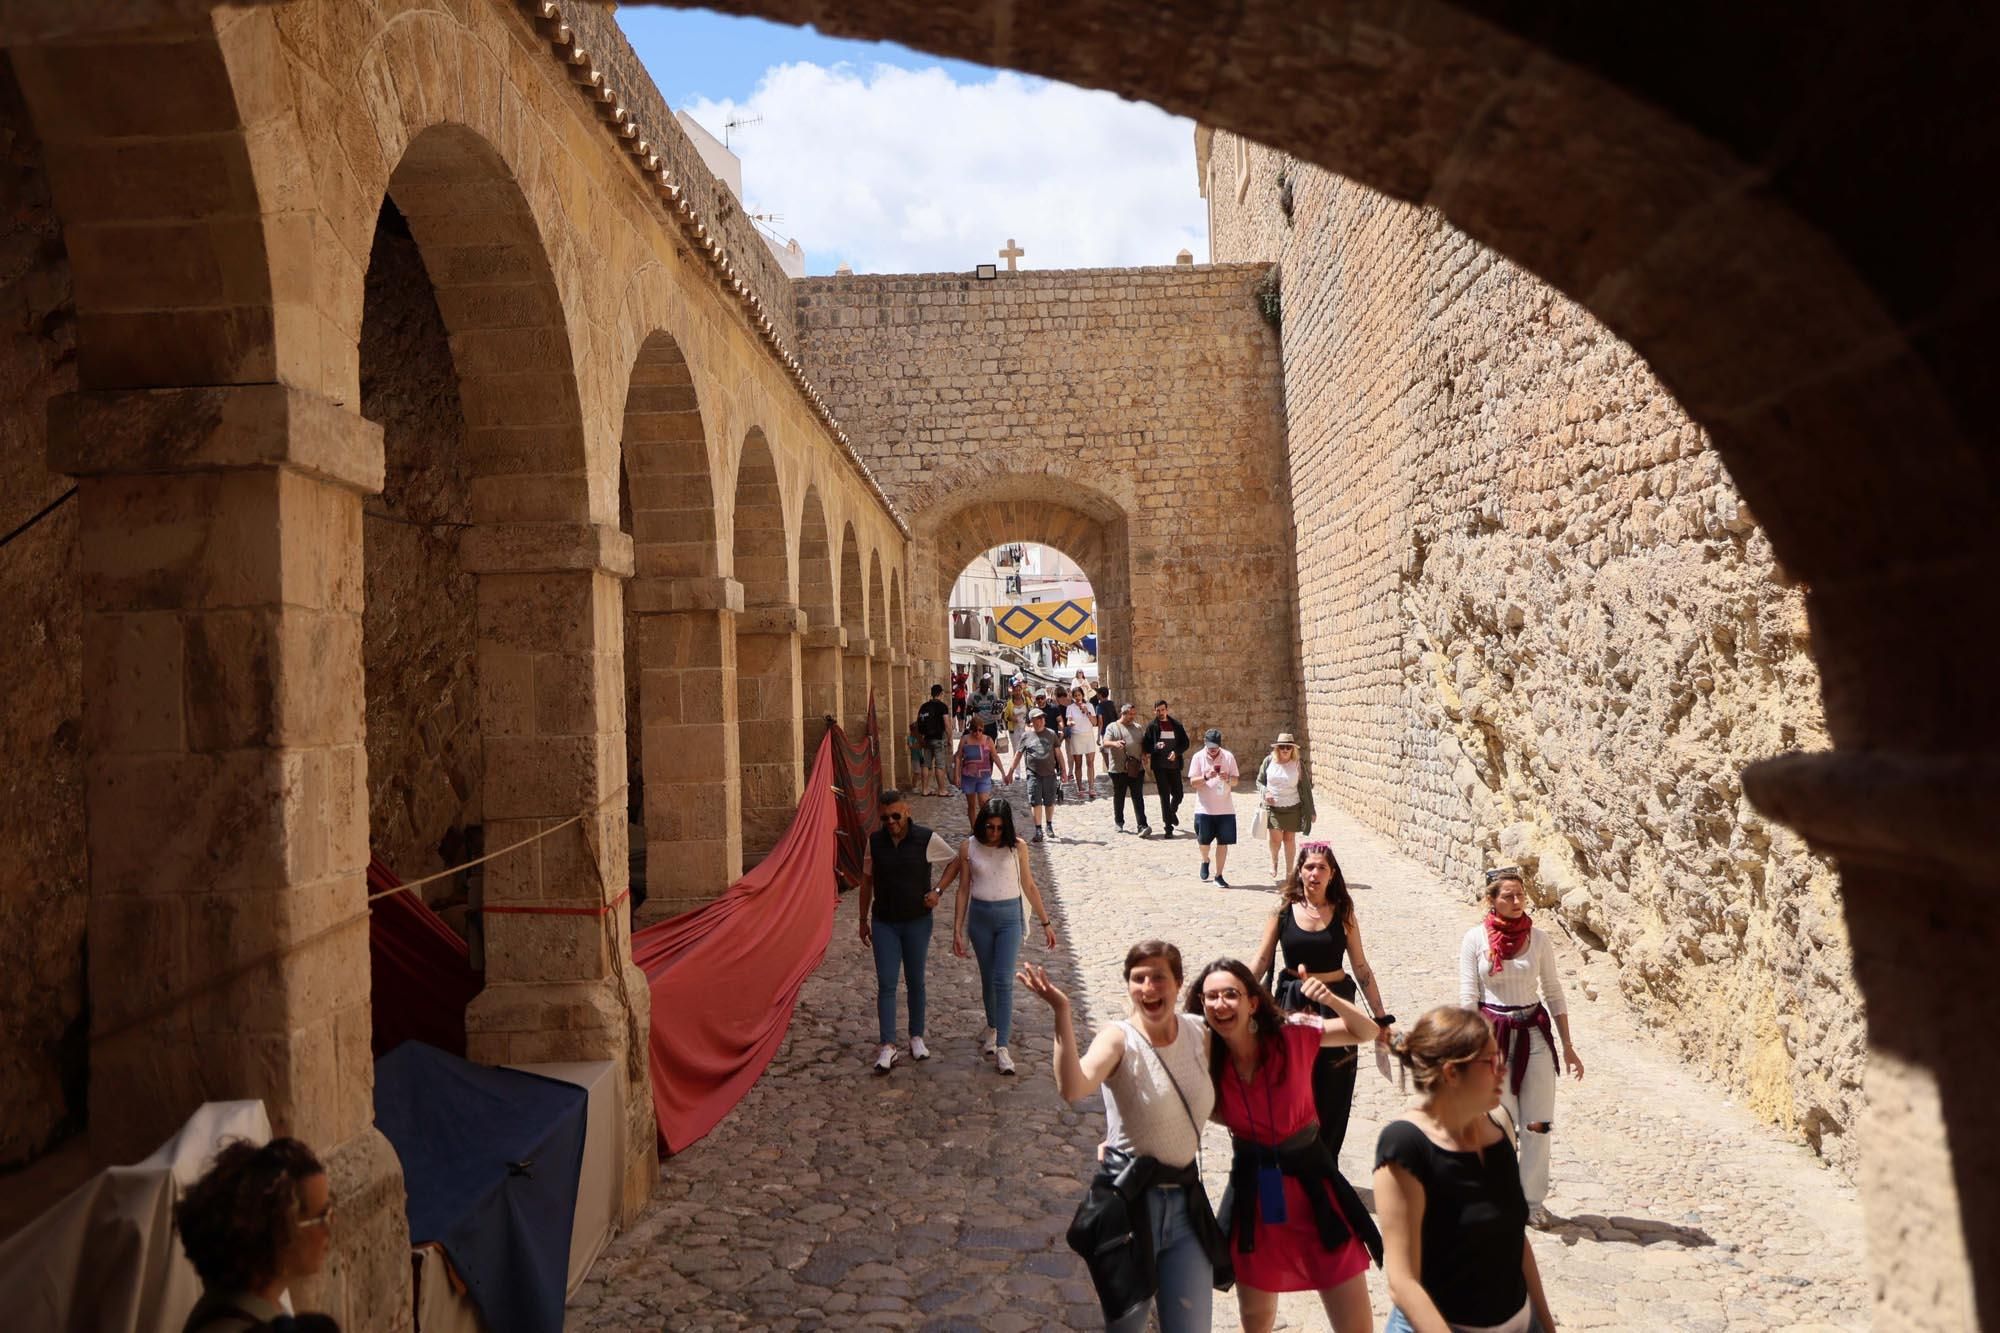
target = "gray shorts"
x: 936, y: 754
x: 1043, y: 790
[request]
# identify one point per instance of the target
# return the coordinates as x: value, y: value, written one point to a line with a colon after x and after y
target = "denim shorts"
x: 972, y: 786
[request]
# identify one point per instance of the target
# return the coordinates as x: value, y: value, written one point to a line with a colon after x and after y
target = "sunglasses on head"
x: 1503, y: 872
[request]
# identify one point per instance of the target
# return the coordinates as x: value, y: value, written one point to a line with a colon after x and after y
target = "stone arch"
x: 767, y: 651
x: 857, y: 652
x: 820, y: 655
x: 1085, y: 524
x: 680, y: 653
x: 1759, y: 255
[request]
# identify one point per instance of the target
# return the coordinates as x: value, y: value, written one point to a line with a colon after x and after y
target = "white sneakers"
x: 885, y: 1059
x: 887, y: 1055
x: 988, y: 1042
x: 919, y: 1051
x: 1003, y: 1061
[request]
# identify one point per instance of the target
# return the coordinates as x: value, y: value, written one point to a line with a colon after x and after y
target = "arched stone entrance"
x: 767, y: 653
x: 856, y: 652
x: 820, y: 658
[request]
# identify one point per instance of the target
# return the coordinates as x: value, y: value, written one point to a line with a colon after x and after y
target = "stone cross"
x: 1011, y: 253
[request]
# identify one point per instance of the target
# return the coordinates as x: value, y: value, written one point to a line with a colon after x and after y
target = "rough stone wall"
x: 418, y: 629
x: 43, y: 893
x: 1132, y: 417
x: 1538, y: 625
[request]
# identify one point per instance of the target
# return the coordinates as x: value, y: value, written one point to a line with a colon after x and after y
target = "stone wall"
x: 1129, y: 417
x: 1538, y: 625
x: 418, y: 630
x: 43, y: 894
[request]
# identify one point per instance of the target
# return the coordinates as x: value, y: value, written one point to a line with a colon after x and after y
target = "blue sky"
x: 895, y: 161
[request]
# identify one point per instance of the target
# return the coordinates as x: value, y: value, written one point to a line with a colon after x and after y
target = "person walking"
x: 985, y: 705
x: 1080, y: 740
x: 1041, y: 750
x: 1507, y: 966
x: 993, y: 876
x: 1124, y: 758
x: 972, y: 769
x: 895, y: 909
x: 1294, y: 1223
x: 1153, y: 1068
x: 1316, y: 927
x: 1019, y: 703
x: 1285, y: 788
x: 259, y: 1219
x: 1448, y: 1189
x: 1213, y: 774
x: 933, y: 725
x: 1165, y: 741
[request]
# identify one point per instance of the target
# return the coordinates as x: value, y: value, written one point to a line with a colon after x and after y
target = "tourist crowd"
x: 1267, y: 1049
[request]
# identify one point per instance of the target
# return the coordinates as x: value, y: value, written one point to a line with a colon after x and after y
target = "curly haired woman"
x: 255, y: 1223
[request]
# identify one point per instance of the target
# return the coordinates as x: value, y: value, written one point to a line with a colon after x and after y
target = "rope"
x: 449, y: 871
x: 38, y: 516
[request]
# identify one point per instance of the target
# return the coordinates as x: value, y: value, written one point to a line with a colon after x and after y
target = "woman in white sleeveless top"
x: 993, y: 877
x: 1153, y: 1069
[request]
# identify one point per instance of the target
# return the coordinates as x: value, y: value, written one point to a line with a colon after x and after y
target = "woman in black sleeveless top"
x: 1316, y: 927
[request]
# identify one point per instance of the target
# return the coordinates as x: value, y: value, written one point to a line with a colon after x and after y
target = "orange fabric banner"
x: 726, y: 976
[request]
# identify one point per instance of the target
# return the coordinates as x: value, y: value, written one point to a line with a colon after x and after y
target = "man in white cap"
x: 1212, y: 773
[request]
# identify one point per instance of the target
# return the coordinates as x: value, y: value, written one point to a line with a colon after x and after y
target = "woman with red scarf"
x: 1507, y: 967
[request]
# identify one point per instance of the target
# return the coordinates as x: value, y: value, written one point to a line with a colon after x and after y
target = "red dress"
x: 1276, y: 1104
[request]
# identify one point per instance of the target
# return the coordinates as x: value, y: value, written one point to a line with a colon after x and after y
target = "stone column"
x: 896, y: 722
x: 824, y: 647
x: 226, y: 798
x: 693, y: 775
x: 769, y: 734
x: 893, y: 749
x: 855, y: 682
x: 560, y: 984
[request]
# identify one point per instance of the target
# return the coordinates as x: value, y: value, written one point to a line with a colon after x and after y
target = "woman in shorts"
x: 972, y: 769
x: 1080, y: 743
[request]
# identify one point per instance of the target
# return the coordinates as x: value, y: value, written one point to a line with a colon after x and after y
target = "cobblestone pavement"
x: 937, y: 1197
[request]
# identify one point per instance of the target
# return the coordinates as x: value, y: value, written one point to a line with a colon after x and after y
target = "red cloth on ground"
x: 421, y: 975
x: 1278, y: 1104
x: 725, y: 977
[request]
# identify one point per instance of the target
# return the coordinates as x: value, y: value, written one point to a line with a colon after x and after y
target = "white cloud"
x: 906, y: 171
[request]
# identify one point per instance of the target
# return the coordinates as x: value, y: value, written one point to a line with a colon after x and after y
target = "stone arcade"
x: 621, y: 439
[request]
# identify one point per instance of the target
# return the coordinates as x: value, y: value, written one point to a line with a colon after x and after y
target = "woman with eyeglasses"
x: 253, y: 1224
x: 1448, y: 1191
x: 1294, y: 1223
x: 1316, y: 929
x: 1507, y: 967
x: 994, y: 877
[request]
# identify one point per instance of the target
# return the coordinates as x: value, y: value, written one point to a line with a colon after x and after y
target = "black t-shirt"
x: 1058, y: 715
x: 1107, y: 713
x: 930, y: 720
x: 1475, y: 1222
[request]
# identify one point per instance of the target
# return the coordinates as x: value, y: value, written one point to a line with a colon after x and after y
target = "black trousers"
x: 1168, y: 780
x: 1333, y: 1081
x: 1121, y: 785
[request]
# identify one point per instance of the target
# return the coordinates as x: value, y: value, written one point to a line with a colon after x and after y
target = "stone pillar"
x: 226, y: 798
x: 560, y: 984
x: 896, y: 722
x: 824, y: 647
x: 769, y: 733
x: 893, y: 750
x: 855, y: 682
x: 693, y: 775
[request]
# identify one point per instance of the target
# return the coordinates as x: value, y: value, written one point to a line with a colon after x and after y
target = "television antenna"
x: 737, y: 123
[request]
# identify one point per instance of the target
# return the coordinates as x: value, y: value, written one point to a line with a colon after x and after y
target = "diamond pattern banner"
x: 1065, y: 622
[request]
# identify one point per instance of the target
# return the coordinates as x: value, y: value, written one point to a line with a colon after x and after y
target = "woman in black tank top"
x: 1316, y: 927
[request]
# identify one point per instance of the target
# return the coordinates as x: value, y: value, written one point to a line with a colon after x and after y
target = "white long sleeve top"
x: 1528, y: 976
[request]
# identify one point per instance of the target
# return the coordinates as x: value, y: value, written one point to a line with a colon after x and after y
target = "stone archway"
x: 855, y: 680
x: 820, y: 659
x: 680, y: 639
x: 767, y: 652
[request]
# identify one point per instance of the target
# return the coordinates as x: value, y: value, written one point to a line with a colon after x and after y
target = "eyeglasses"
x: 1503, y: 872
x: 1231, y: 994
x: 894, y: 819
x: 325, y: 1218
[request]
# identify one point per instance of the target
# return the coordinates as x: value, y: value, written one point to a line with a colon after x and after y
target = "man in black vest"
x: 896, y: 885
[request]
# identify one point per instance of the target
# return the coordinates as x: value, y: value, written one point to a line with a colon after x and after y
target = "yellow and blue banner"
x: 1067, y: 621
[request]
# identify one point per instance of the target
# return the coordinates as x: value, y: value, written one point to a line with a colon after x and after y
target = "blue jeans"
x: 1400, y: 1323
x: 1186, y: 1298
x: 901, y: 945
x: 995, y: 930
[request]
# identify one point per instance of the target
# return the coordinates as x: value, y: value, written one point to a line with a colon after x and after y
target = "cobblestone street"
x: 937, y: 1197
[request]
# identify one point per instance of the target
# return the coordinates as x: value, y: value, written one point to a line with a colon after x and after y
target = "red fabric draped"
x: 858, y: 774
x: 422, y: 975
x: 725, y: 977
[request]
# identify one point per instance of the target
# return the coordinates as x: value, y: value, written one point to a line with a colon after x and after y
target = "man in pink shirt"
x: 1212, y: 773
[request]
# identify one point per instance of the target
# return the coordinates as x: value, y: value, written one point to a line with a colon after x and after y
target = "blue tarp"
x: 491, y: 1159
